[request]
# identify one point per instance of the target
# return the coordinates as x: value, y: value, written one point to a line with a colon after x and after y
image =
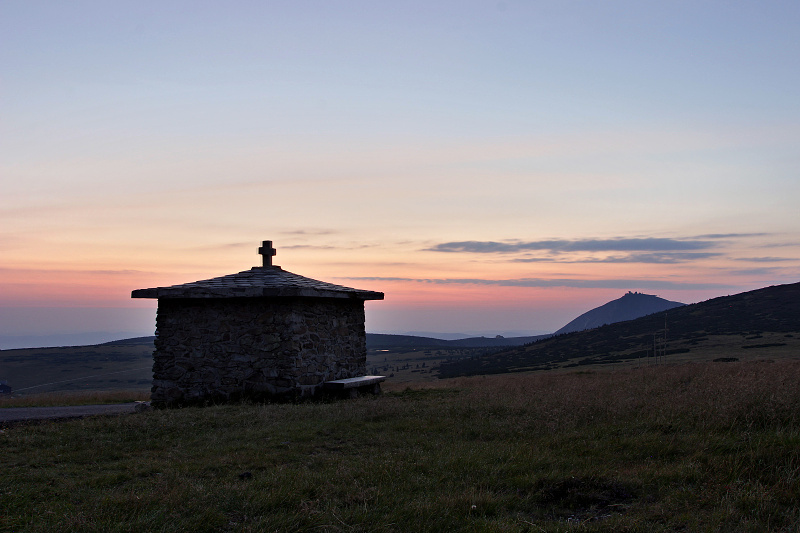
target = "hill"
x: 127, y: 364
x: 631, y: 306
x: 376, y: 341
x: 760, y: 323
x: 124, y: 364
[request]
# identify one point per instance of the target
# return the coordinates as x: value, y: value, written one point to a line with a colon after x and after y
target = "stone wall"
x: 217, y: 349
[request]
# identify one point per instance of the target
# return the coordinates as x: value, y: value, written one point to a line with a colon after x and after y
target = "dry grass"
x: 708, y: 393
x: 695, y: 447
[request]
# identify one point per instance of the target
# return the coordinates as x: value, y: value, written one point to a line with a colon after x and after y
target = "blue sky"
x: 582, y: 148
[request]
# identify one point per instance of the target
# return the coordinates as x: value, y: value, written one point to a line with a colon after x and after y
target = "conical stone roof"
x: 267, y: 281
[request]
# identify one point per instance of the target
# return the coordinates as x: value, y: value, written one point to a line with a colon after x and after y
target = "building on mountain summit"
x: 263, y: 332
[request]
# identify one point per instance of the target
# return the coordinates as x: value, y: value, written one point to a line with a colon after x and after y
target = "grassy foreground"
x: 695, y: 447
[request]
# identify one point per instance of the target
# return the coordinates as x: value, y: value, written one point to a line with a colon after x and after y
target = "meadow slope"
x: 692, y: 447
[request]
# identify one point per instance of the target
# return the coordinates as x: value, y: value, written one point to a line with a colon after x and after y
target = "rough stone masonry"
x: 260, y: 333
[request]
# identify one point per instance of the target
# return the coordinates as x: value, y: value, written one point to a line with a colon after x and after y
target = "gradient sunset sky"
x: 491, y: 166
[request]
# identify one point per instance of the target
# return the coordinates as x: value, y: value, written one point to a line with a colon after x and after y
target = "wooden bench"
x: 352, y: 387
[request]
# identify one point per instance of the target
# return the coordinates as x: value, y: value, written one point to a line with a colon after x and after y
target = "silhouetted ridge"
x: 630, y: 307
x: 748, y: 316
x: 385, y: 341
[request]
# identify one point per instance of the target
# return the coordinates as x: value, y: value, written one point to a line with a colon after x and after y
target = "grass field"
x: 101, y: 367
x: 690, y: 447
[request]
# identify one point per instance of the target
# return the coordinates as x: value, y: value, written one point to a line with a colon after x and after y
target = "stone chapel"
x: 263, y: 333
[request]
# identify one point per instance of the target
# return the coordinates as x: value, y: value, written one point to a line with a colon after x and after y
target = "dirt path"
x: 22, y: 414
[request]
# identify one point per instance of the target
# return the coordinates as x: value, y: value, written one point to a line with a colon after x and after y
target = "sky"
x: 492, y: 167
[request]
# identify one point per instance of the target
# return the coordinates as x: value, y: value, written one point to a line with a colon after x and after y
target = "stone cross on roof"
x: 267, y: 251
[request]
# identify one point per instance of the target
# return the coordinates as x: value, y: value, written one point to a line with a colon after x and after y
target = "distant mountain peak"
x: 630, y: 306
